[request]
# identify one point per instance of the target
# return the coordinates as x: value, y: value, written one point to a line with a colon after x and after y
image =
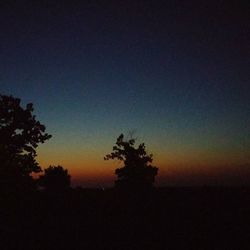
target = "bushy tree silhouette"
x: 20, y: 134
x: 55, y: 178
x: 137, y: 171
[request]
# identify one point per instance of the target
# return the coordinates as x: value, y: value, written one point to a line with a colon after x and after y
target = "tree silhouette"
x: 20, y: 134
x: 55, y: 178
x: 137, y: 171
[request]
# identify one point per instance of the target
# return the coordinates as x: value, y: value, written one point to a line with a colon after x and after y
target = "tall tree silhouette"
x: 55, y: 178
x: 20, y: 134
x: 137, y: 171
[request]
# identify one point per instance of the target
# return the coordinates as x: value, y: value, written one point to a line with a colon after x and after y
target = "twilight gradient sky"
x: 177, y: 73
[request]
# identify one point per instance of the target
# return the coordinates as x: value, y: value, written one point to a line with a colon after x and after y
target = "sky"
x: 175, y: 73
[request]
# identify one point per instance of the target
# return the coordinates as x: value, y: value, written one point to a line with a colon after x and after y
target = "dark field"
x: 164, y: 218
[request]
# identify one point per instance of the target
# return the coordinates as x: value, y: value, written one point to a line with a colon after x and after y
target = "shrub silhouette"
x: 137, y: 171
x: 55, y: 178
x: 20, y: 134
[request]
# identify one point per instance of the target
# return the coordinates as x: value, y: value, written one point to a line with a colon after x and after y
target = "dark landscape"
x: 162, y: 218
x: 146, y: 142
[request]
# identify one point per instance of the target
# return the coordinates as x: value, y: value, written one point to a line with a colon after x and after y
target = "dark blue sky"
x: 176, y: 72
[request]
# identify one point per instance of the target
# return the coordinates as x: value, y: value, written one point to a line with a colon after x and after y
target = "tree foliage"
x: 55, y: 178
x: 137, y: 170
x: 20, y: 134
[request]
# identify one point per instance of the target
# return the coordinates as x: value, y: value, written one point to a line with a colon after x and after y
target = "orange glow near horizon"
x: 179, y: 161
x: 178, y: 168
